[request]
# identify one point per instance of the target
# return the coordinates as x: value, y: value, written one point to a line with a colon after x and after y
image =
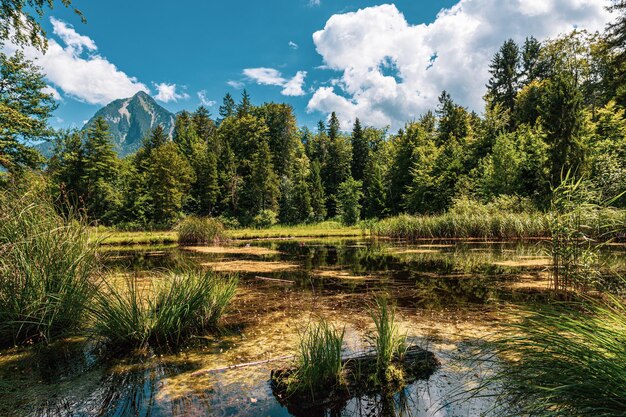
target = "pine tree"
x: 349, y: 196
x: 360, y: 151
x: 316, y: 190
x: 374, y: 198
x: 333, y: 127
x: 227, y: 109
x: 185, y: 135
x: 245, y: 106
x: 204, y: 192
x: 504, y: 69
x: 100, y: 173
x: 263, y: 185
x: 533, y: 66
x: 203, y: 124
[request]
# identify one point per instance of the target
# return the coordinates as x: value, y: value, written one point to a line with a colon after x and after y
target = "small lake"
x: 450, y: 296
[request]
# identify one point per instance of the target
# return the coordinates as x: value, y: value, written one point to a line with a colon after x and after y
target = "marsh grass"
x: 195, y: 230
x: 164, y: 314
x: 565, y: 359
x: 319, y: 365
x: 387, y: 342
x: 48, y: 268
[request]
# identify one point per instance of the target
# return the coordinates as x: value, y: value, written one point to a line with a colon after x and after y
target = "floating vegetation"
x: 234, y: 250
x: 251, y: 266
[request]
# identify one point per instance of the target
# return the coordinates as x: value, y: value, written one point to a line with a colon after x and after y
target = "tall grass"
x: 165, y: 314
x: 318, y: 360
x: 387, y: 341
x: 494, y: 225
x: 567, y: 360
x: 47, y: 268
x: 195, y: 230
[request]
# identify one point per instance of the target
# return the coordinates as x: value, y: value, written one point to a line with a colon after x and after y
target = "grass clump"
x: 164, y: 314
x: 567, y: 359
x: 387, y: 342
x: 200, y: 230
x: 319, y: 365
x: 47, y: 269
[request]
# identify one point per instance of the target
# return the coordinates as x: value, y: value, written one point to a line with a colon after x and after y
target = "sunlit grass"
x: 48, y: 269
x: 387, y: 342
x: 162, y: 314
x: 318, y: 359
x: 200, y: 230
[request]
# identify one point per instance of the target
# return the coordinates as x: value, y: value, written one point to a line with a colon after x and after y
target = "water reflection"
x: 333, y: 277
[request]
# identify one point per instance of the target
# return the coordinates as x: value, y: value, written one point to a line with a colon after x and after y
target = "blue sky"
x: 382, y: 62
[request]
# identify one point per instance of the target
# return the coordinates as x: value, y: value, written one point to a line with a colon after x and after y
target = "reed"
x: 200, y: 230
x: 48, y: 268
x: 162, y: 315
x: 566, y: 359
x: 318, y: 364
x: 387, y: 341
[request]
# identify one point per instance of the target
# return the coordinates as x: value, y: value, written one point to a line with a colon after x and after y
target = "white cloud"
x: 74, y: 67
x: 293, y: 87
x: 53, y: 92
x: 168, y: 92
x: 235, y: 84
x: 293, y: 45
x: 271, y: 76
x: 388, y: 74
x: 204, y: 100
x: 315, y: 2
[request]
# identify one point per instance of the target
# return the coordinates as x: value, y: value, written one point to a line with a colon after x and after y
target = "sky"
x: 385, y: 63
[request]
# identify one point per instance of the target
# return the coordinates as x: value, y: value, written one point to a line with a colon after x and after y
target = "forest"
x: 550, y: 108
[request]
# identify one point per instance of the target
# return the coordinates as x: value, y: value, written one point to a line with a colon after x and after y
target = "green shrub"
x: 265, y: 219
x: 319, y: 365
x: 162, y: 315
x: 48, y: 269
x: 200, y: 230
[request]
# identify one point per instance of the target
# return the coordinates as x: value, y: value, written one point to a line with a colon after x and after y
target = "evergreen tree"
x: 101, y: 168
x: 360, y: 151
x: 185, y: 135
x: 25, y: 108
x: 349, y: 196
x: 203, y: 124
x: 227, y: 109
x: 283, y: 135
x: 316, y: 187
x: 504, y: 69
x: 563, y: 119
x: 374, y: 196
x: 534, y: 67
x: 168, y: 180
x: 263, y: 186
x: 245, y: 105
x: 204, y: 192
x: 334, y: 127
x: 336, y: 170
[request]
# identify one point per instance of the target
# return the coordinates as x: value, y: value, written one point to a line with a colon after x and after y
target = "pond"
x: 450, y: 296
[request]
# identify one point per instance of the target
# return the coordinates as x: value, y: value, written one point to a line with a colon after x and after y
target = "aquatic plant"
x: 48, y: 268
x: 318, y: 360
x: 164, y: 314
x: 387, y: 342
x: 566, y: 359
x: 195, y: 230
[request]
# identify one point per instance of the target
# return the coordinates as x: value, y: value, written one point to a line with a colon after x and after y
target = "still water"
x: 450, y: 297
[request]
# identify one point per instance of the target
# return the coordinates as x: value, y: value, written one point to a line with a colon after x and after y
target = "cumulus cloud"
x: 204, y: 99
x: 53, y: 92
x: 73, y: 65
x: 235, y: 84
x: 169, y: 92
x: 393, y: 71
x: 271, y: 76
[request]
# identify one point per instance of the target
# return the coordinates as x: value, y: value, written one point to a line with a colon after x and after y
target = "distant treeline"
x: 550, y: 108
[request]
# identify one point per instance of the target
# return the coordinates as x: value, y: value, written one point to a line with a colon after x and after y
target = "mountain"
x: 132, y: 119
